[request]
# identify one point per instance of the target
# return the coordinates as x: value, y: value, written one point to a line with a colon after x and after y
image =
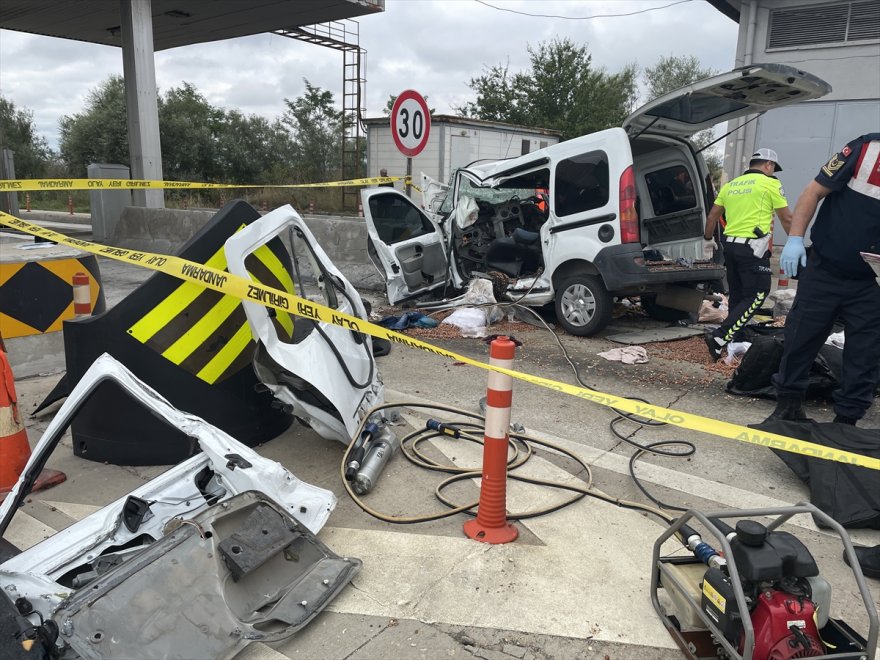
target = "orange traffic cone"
x: 14, y: 448
x: 782, y: 282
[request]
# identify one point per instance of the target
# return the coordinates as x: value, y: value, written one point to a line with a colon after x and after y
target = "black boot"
x: 843, y: 419
x: 715, y: 349
x: 869, y: 560
x: 788, y: 408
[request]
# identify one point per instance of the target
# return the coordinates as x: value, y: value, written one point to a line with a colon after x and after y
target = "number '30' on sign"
x: 410, y: 123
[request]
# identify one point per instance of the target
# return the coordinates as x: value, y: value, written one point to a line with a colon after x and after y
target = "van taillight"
x: 629, y: 216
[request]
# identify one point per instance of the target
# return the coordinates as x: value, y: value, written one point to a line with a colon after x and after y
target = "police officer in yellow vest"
x: 748, y: 203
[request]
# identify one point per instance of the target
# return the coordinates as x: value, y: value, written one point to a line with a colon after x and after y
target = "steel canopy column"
x: 139, y: 69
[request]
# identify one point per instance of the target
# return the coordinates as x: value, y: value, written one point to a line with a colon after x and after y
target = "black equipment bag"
x: 761, y: 361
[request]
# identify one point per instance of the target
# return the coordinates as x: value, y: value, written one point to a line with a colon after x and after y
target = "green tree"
x: 578, y: 97
x: 98, y: 134
x: 501, y: 96
x: 200, y: 142
x: 673, y: 72
x: 254, y: 150
x: 562, y: 90
x: 389, y: 105
x: 317, y: 134
x: 18, y: 134
x: 190, y: 130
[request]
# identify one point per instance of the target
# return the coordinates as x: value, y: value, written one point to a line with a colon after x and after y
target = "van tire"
x: 583, y: 305
x: 659, y: 312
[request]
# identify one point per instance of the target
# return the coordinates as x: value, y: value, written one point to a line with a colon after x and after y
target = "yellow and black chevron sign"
x: 184, y: 327
x: 37, y: 296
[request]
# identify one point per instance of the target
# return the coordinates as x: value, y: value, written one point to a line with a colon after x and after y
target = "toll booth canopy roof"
x: 176, y: 22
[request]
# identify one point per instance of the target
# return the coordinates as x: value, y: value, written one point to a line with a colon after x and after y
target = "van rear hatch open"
x: 743, y: 91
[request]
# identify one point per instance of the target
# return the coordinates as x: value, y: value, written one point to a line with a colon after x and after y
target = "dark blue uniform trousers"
x: 748, y: 281
x: 821, y: 299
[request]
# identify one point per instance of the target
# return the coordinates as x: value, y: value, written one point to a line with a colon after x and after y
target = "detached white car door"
x: 405, y: 244
x: 325, y: 372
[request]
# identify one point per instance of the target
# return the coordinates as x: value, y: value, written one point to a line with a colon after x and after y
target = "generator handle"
x: 736, y: 584
x: 783, y: 514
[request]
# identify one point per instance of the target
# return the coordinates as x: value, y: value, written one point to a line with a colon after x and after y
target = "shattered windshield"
x: 446, y: 204
x: 468, y: 188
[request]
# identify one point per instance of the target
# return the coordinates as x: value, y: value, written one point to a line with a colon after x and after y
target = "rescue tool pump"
x: 369, y: 454
x: 760, y: 597
x: 382, y: 447
x: 356, y: 455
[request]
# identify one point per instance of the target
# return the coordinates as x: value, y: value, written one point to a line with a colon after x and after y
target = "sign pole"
x: 410, y: 128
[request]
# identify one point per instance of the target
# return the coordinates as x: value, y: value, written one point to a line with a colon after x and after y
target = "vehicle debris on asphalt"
x: 217, y: 530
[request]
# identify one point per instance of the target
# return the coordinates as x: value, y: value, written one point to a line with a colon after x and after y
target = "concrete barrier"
x: 62, y: 217
x: 343, y: 238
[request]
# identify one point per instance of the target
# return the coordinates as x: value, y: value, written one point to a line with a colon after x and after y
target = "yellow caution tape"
x: 29, y: 185
x: 179, y: 326
x: 233, y: 285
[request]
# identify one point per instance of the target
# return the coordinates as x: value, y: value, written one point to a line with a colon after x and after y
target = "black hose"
x: 523, y: 449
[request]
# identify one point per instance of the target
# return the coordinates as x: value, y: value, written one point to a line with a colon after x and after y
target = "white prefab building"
x: 452, y: 143
x: 836, y: 40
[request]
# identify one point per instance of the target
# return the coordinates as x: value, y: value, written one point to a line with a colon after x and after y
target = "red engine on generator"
x: 782, y: 587
x: 785, y: 627
x: 761, y: 598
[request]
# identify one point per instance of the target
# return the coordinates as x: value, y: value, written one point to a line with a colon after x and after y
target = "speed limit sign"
x: 410, y: 123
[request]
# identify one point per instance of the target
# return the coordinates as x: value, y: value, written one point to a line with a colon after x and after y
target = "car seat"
x: 514, y: 255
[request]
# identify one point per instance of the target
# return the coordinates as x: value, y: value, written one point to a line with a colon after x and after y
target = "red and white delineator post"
x: 82, y: 295
x: 490, y: 525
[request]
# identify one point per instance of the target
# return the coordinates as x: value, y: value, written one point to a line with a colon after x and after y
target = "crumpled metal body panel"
x: 45, y: 573
x: 334, y: 361
x: 177, y: 598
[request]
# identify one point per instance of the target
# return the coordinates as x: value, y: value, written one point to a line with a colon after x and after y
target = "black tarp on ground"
x: 761, y: 361
x: 849, y: 494
x: 114, y: 428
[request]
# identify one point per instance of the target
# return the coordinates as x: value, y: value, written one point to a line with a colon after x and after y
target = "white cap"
x: 767, y: 154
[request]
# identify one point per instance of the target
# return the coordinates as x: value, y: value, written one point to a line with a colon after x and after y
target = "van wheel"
x: 659, y: 312
x: 583, y: 305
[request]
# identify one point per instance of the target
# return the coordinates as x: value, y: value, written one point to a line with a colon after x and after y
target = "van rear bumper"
x: 623, y: 268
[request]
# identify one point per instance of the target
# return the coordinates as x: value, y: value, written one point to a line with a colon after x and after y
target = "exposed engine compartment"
x: 503, y: 235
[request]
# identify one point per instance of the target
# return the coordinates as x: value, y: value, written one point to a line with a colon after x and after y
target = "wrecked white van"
x: 616, y: 213
x: 215, y: 554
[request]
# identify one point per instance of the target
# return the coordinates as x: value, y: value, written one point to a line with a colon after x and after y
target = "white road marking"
x: 726, y: 495
x: 260, y: 651
x: 73, y: 509
x: 25, y: 531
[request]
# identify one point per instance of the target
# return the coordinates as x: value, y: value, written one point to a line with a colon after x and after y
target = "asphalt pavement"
x: 575, y: 584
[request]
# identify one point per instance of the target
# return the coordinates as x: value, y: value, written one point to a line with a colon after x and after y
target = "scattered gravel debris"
x: 689, y: 351
x: 692, y: 349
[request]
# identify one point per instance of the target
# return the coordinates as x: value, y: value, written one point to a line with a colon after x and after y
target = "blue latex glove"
x: 792, y: 254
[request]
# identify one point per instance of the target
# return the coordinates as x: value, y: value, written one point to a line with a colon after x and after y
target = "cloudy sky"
x: 433, y: 46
